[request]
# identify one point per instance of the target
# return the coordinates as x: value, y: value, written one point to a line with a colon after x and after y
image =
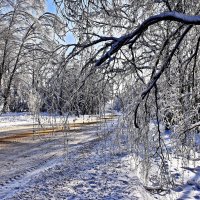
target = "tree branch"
x: 166, y: 16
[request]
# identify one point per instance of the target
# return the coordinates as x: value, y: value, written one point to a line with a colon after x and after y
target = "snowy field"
x: 25, y: 118
x: 89, y: 162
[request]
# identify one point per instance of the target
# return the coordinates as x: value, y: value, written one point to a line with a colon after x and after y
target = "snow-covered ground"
x: 185, y: 170
x: 89, y: 162
x: 182, y: 170
x: 25, y: 118
x: 15, y: 119
x: 83, y: 164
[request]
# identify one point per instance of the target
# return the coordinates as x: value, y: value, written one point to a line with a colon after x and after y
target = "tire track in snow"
x: 13, y: 182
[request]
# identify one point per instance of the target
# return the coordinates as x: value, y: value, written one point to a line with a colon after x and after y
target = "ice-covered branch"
x: 166, y: 16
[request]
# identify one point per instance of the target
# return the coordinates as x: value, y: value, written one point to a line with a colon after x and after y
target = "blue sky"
x: 51, y: 8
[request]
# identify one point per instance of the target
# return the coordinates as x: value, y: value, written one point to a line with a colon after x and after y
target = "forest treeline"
x: 34, y: 73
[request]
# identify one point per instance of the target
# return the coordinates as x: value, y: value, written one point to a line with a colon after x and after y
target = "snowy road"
x: 79, y: 164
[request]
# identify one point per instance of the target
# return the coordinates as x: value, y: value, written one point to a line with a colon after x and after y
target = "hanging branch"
x: 155, y: 78
x: 166, y: 16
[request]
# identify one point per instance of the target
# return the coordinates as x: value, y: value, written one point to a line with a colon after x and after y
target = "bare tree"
x: 27, y: 35
x: 153, y: 46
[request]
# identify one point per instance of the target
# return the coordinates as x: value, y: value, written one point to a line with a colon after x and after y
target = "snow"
x: 183, y: 171
x: 15, y: 119
x: 90, y: 162
x: 91, y: 166
x: 25, y: 118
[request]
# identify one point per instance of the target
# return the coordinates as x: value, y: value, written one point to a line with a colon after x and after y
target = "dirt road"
x: 24, y: 153
x: 78, y: 164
